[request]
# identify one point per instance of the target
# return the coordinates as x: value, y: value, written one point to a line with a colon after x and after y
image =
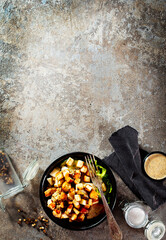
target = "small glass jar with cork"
x: 137, y: 216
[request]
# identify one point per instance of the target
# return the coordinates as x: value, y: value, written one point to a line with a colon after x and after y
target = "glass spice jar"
x: 154, y: 230
x: 10, y: 183
x: 136, y: 216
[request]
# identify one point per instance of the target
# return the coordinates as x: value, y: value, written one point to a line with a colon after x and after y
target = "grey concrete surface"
x: 73, y: 72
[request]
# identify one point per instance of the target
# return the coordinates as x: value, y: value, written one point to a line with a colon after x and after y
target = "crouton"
x: 69, y: 161
x: 55, y: 170
x: 86, y: 178
x: 69, y: 209
x: 64, y: 215
x: 81, y: 217
x: 69, y: 179
x: 58, y: 183
x: 77, y: 197
x: 77, y: 175
x: 73, y: 217
x: 56, y: 196
x: 70, y: 196
x: 66, y: 186
x: 77, y: 180
x: 84, y: 169
x: 88, y: 187
x: 72, y: 191
x: 49, y: 201
x: 59, y: 190
x: 63, y: 196
x: 76, y: 211
x: 76, y: 204
x: 83, y: 193
x: 64, y: 168
x: 62, y: 205
x: 83, y: 202
x: 80, y: 186
x: 79, y: 164
x: 59, y: 176
x: 49, y: 192
x: 65, y: 171
x: 57, y: 213
x: 90, y: 202
x: 93, y: 195
x: 51, y: 205
x: 50, y: 180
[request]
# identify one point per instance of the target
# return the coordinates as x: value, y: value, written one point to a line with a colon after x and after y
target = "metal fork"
x: 115, y: 232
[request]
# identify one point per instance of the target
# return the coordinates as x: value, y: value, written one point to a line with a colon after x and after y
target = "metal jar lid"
x: 154, y: 230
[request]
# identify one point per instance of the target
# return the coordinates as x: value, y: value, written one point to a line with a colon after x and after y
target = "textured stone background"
x: 73, y: 72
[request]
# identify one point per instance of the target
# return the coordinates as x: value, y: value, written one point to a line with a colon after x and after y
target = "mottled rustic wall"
x: 72, y: 72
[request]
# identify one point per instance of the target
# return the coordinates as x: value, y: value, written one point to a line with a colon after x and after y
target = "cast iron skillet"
x: 88, y: 223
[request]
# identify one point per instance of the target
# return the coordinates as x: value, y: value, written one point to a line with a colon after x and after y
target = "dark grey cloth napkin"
x: 127, y: 162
